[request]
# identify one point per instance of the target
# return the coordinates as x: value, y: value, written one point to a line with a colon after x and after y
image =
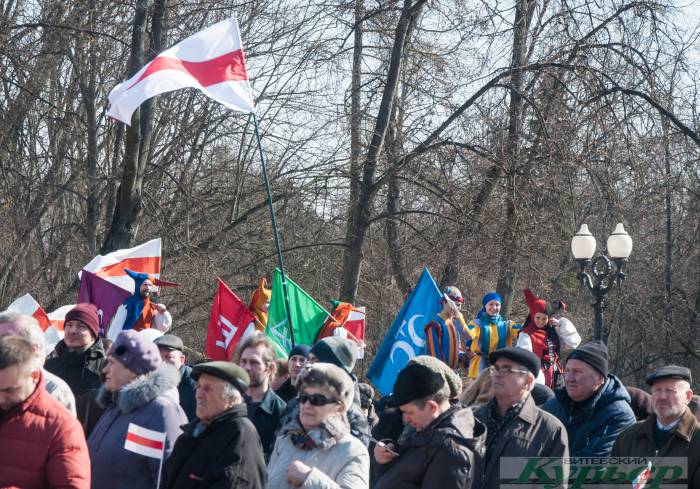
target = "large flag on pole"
x: 307, y: 316
x: 211, y: 61
x: 406, y: 337
x: 144, y: 258
x: 106, y: 296
x: 229, y: 322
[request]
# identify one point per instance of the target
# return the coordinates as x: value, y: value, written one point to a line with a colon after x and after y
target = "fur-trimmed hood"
x: 142, y: 390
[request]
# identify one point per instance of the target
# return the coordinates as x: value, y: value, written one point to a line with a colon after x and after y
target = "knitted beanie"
x: 86, y: 313
x: 336, y: 350
x: 594, y: 353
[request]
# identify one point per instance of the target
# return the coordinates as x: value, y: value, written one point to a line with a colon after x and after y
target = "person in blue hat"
x: 489, y: 331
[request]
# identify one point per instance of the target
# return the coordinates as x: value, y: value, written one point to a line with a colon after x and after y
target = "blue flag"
x: 406, y: 337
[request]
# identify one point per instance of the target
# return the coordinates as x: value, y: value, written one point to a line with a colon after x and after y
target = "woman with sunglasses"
x: 316, y: 449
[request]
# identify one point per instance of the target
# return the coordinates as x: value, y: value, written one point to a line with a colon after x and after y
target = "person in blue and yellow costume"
x: 447, y: 330
x: 489, y: 332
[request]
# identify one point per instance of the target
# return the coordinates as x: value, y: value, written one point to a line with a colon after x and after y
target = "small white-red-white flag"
x: 211, y: 60
x: 144, y: 258
x: 354, y: 329
x: 29, y: 306
x: 641, y: 480
x: 144, y: 441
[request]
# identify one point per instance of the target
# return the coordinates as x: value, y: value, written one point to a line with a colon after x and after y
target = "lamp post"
x: 601, y: 279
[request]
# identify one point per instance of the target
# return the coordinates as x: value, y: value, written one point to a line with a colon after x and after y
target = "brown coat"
x: 533, y: 433
x: 638, y: 441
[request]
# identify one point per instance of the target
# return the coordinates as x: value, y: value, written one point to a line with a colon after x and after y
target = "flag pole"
x: 275, y: 231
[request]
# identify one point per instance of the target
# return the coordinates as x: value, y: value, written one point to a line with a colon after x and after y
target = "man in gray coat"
x: 441, y: 445
x: 515, y: 427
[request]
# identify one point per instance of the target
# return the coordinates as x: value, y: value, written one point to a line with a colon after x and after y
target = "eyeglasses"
x: 315, y: 399
x: 507, y: 369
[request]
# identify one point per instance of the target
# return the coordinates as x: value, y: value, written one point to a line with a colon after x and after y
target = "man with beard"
x: 137, y: 311
x: 256, y: 356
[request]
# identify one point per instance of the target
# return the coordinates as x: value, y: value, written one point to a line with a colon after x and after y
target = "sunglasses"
x: 315, y: 399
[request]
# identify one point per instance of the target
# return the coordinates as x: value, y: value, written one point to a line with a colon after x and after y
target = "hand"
x: 384, y: 452
x: 554, y: 322
x: 297, y: 472
x: 161, y: 308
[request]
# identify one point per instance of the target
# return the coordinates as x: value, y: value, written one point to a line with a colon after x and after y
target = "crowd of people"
x: 131, y: 413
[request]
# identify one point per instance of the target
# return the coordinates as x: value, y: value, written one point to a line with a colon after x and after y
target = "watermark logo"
x: 598, y: 473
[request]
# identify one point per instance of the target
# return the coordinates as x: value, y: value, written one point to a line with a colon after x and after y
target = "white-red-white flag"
x: 354, y: 329
x: 211, y: 60
x: 641, y: 480
x: 144, y: 258
x: 29, y: 306
x: 144, y: 441
x: 230, y: 320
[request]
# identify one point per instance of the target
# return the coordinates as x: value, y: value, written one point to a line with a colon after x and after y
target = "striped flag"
x: 212, y: 61
x: 29, y: 306
x: 144, y: 258
x: 144, y: 441
x: 641, y: 480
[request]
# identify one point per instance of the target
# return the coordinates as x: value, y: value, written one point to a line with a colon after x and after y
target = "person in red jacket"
x: 43, y: 445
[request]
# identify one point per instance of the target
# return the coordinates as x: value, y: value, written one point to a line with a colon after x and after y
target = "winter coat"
x: 150, y: 401
x: 186, y: 390
x: 81, y: 371
x: 533, y: 433
x: 342, y: 465
x: 226, y: 455
x: 89, y: 412
x: 42, y: 445
x: 359, y: 426
x: 267, y: 418
x: 684, y: 441
x: 593, y: 428
x: 59, y: 390
x: 442, y: 456
x: 286, y: 391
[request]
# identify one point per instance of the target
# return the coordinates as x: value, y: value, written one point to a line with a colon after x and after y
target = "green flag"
x: 307, y: 316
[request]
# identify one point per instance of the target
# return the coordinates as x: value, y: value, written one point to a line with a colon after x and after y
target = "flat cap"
x: 414, y: 382
x: 518, y: 355
x: 670, y: 372
x: 230, y: 372
x: 170, y: 341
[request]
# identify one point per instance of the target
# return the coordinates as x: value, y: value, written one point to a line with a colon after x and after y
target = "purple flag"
x: 106, y: 296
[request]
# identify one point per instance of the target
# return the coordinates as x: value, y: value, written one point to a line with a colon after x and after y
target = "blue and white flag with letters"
x: 406, y: 337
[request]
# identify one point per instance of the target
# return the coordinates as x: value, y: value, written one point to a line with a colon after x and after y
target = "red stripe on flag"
x: 227, y: 67
x: 145, y: 264
x: 146, y: 442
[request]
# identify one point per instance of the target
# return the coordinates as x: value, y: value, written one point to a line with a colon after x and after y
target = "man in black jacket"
x: 221, y: 449
x: 80, y: 356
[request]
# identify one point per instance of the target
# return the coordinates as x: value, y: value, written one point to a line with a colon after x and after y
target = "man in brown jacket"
x: 515, y: 427
x: 672, y: 431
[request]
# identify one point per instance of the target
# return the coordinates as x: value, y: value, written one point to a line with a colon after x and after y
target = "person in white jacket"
x: 317, y: 449
x: 547, y: 336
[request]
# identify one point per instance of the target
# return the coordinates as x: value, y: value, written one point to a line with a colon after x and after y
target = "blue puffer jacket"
x: 151, y: 402
x: 594, y: 428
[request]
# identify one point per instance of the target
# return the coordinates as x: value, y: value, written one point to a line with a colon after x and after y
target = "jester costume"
x: 487, y: 334
x: 137, y: 312
x: 260, y: 304
x: 443, y: 335
x: 547, y: 342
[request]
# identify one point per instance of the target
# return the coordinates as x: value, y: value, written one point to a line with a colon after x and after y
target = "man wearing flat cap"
x: 439, y: 447
x: 672, y: 430
x: 221, y: 449
x: 594, y: 406
x: 172, y: 351
x: 515, y: 426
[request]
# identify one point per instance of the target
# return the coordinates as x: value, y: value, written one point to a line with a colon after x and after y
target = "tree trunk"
x: 360, y: 209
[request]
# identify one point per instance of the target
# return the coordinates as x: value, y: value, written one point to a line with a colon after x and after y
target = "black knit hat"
x: 594, y: 353
x: 336, y: 350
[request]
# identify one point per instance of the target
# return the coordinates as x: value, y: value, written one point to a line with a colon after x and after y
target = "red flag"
x: 230, y: 318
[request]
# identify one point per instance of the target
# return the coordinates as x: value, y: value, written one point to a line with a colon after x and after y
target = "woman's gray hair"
x: 331, y: 378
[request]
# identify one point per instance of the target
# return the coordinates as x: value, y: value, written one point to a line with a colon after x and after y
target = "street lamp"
x: 602, y: 279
